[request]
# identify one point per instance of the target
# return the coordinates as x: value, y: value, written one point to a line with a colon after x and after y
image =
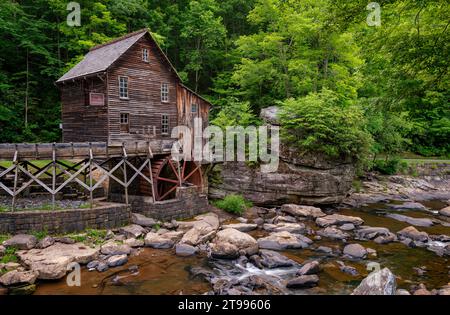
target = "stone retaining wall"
x: 188, y: 203
x: 105, y: 216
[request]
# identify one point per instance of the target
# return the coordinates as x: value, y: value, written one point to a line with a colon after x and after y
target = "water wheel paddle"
x: 169, y: 174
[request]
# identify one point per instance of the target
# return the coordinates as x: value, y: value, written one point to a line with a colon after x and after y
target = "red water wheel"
x: 169, y: 174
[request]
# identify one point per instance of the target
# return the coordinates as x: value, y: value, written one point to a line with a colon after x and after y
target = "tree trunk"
x: 26, y: 91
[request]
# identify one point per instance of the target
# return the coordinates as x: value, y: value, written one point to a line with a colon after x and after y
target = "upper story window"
x: 145, y: 55
x: 123, y: 87
x: 194, y: 108
x: 164, y: 124
x: 164, y: 92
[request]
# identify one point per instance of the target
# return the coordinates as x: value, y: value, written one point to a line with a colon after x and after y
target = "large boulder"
x: 142, y: 220
x: 381, y: 282
x: 45, y: 242
x: 302, y: 211
x: 284, y: 240
x: 338, y: 219
x: 412, y: 233
x: 21, y: 241
x: 231, y: 243
x: 299, y: 179
x: 117, y: 260
x: 409, y: 206
x: 356, y: 251
x: 185, y: 250
x: 52, y: 262
x: 18, y: 277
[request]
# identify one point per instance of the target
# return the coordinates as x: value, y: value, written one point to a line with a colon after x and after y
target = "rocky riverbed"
x: 291, y: 249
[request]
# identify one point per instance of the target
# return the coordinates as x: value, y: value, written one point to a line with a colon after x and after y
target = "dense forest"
x: 345, y: 86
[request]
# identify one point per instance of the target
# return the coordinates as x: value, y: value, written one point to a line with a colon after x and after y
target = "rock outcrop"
x: 381, y: 282
x: 298, y: 180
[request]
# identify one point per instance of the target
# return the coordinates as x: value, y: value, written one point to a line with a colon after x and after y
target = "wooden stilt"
x: 91, y: 193
x: 16, y: 174
x: 53, y: 177
x: 125, y: 173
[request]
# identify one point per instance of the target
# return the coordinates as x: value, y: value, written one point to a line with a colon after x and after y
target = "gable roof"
x: 101, y: 57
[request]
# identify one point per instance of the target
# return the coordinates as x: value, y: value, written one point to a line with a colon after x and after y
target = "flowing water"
x: 162, y: 272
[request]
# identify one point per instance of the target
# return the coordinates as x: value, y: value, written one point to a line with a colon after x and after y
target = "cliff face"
x: 310, y: 181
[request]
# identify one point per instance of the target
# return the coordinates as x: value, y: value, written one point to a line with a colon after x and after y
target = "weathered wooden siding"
x: 82, y: 122
x: 144, y: 105
x: 185, y: 99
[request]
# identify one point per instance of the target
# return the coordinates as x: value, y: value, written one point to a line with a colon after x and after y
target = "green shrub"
x: 233, y: 203
x: 390, y: 166
x: 9, y: 255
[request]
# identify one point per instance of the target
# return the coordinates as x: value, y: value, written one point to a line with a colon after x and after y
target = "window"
x: 123, y: 87
x: 124, y: 123
x: 164, y: 124
x: 194, y: 108
x: 145, y: 54
x: 164, y: 92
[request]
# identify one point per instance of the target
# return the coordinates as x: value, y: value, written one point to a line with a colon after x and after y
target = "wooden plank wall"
x: 185, y: 99
x: 80, y: 121
x: 144, y: 88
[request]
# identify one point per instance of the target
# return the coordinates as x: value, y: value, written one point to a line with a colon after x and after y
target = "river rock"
x: 402, y: 292
x: 445, y: 290
x: 65, y: 240
x: 92, y: 264
x: 27, y: 289
x: 284, y: 240
x: 412, y: 233
x: 288, y: 227
x: 242, y: 227
x: 117, y: 260
x: 338, y: 219
x: 112, y: 248
x: 302, y: 211
x: 142, y: 220
x: 306, y: 281
x: 283, y: 219
x: 160, y: 241
x: 409, y: 206
x: 51, y: 262
x: 21, y: 241
x: 271, y: 259
x: 309, y: 268
x: 356, y: 251
x: 325, y: 249
x: 381, y: 282
x: 45, y: 242
x: 445, y: 211
x: 333, y: 233
x: 424, y: 222
x: 15, y: 277
x: 198, y: 234
x: 231, y: 243
x: 347, y: 269
x: 185, y: 250
x: 347, y: 227
x: 132, y: 230
x: 132, y: 242
x: 11, y: 266
x: 102, y: 266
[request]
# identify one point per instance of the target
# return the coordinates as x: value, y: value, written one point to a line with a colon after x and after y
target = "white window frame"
x: 145, y: 55
x: 165, y: 124
x: 165, y: 92
x: 125, y: 88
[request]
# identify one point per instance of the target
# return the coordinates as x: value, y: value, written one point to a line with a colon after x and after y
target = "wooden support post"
x: 91, y: 193
x: 53, y: 176
x: 125, y: 179
x: 16, y: 174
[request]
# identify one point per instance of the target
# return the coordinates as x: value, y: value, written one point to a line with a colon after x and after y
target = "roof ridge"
x: 119, y: 39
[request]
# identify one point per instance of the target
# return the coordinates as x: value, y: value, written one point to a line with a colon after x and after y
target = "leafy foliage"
x: 324, y: 123
x: 235, y: 204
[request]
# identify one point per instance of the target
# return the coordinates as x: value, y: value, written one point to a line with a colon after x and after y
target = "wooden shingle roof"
x: 101, y: 57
